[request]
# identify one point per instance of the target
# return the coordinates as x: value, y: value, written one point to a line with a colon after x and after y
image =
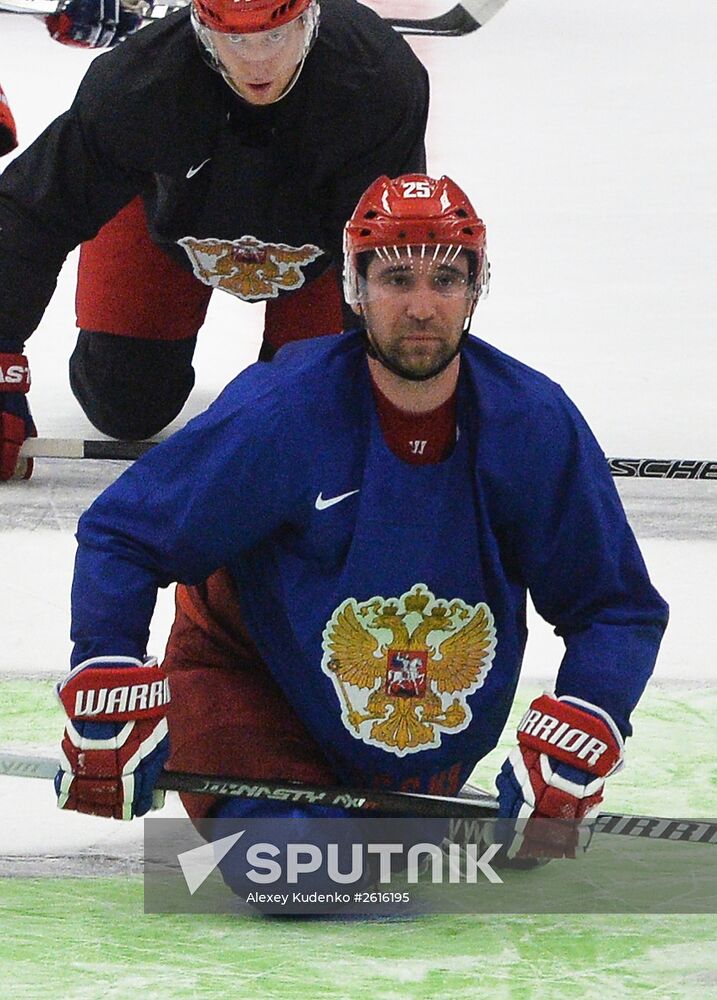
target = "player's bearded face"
x: 262, y: 64
x: 415, y: 306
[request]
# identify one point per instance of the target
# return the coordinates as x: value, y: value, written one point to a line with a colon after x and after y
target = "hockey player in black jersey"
x: 224, y: 147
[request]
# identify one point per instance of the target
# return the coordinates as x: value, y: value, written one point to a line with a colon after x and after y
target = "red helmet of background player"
x: 414, y: 211
x: 242, y: 17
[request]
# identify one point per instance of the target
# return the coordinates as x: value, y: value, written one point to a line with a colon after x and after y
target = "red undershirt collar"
x: 417, y: 438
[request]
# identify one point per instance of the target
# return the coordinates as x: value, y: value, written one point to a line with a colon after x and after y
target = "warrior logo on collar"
x: 247, y: 267
x: 404, y: 668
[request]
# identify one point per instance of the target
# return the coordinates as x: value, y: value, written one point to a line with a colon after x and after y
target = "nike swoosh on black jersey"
x: 195, y: 170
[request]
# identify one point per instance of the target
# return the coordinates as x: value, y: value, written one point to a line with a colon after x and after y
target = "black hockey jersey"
x: 228, y: 186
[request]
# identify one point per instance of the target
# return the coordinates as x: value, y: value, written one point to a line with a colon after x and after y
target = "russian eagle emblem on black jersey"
x: 403, y: 668
x: 249, y: 268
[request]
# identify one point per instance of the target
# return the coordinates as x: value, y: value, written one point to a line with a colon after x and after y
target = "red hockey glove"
x: 566, y: 749
x: 116, y: 741
x: 16, y: 424
x: 8, y: 132
x: 92, y: 24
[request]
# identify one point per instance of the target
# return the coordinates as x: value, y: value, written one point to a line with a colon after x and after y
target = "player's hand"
x: 8, y: 132
x: 92, y: 24
x: 566, y: 749
x: 16, y: 424
x: 116, y: 741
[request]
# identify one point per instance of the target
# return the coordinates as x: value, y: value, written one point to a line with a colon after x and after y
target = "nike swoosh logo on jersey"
x: 195, y: 170
x: 322, y: 504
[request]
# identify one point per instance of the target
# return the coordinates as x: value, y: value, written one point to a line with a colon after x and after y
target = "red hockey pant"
x: 128, y: 286
x: 227, y: 715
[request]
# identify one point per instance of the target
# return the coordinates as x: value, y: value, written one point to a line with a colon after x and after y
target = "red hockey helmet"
x: 242, y: 17
x: 8, y: 132
x: 413, y: 210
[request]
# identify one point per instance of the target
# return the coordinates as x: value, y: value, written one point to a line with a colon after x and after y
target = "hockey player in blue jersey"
x: 355, y: 527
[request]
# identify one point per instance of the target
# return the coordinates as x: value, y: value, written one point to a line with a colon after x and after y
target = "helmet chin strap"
x: 377, y: 354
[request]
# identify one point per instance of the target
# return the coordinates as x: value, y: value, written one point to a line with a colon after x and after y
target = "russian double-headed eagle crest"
x: 403, y: 668
x: 249, y: 268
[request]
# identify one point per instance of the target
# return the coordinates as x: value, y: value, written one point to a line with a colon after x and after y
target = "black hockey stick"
x: 128, y: 451
x: 462, y: 19
x: 663, y: 468
x: 477, y: 806
x: 456, y: 21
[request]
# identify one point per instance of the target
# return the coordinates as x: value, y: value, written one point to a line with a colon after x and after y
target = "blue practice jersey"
x: 388, y: 600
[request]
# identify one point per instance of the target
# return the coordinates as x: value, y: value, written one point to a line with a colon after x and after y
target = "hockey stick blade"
x: 478, y: 806
x: 128, y: 451
x: 41, y: 8
x: 454, y: 22
x: 663, y: 468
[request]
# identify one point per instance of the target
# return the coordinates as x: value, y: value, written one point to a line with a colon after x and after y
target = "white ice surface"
x: 585, y: 134
x: 38, y: 641
x: 33, y: 826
